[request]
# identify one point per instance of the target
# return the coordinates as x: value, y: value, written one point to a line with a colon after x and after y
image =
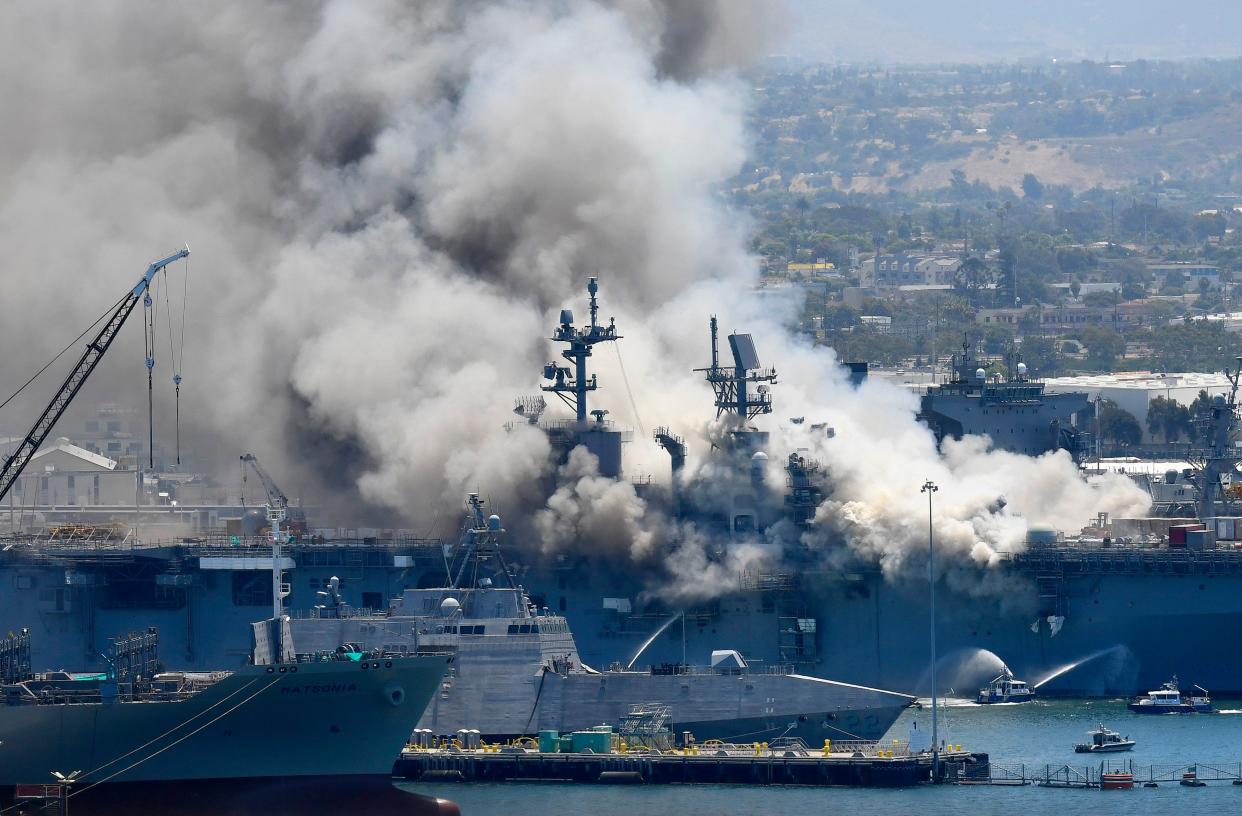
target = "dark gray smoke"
x: 384, y: 201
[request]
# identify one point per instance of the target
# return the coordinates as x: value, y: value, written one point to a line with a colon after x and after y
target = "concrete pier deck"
x: 854, y: 769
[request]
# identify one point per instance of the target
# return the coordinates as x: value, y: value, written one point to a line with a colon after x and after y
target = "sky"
x: 915, y: 31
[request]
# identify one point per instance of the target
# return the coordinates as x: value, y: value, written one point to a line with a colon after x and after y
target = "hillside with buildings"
x: 1084, y: 218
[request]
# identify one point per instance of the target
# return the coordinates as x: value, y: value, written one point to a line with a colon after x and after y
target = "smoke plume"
x: 389, y: 202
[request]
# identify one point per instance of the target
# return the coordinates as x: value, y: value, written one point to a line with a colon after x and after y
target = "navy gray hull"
x: 518, y: 669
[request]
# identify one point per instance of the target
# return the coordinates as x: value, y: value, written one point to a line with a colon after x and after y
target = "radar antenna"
x: 530, y: 407
x: 730, y: 383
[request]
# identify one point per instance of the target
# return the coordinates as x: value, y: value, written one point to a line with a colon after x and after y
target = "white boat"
x: 1005, y: 689
x: 1169, y: 699
x: 1104, y: 740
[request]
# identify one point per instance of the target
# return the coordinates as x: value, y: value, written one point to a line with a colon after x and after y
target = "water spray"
x: 1071, y: 666
x: 663, y: 627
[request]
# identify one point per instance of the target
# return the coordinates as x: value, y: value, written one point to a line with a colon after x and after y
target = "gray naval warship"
x: 518, y: 670
x: 1015, y: 412
x: 1113, y: 611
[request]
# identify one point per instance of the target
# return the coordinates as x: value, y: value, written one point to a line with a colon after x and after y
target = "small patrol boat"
x: 1104, y: 740
x: 1169, y: 699
x: 1005, y: 689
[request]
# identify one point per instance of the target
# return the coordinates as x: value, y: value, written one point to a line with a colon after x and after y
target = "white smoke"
x: 388, y: 203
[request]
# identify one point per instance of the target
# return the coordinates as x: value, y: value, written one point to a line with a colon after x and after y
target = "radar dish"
x: 744, y: 354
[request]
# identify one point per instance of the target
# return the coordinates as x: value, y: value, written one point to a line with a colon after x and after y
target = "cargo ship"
x: 289, y: 722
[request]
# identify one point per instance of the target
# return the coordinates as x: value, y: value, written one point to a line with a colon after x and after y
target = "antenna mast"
x: 730, y: 384
x: 573, y: 385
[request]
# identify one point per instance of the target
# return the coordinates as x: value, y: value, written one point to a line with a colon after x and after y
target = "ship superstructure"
x: 1014, y: 412
x: 518, y: 670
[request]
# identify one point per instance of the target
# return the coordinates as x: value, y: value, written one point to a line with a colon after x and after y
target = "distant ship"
x: 1016, y: 413
x: 518, y: 669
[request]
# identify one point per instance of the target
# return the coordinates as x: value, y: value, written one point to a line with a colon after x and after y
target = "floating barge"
x: 710, y: 765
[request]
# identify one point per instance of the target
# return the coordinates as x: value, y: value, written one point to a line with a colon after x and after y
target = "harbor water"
x: 1037, y: 734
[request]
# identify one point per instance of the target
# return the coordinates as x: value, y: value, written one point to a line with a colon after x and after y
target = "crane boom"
x: 277, y: 511
x: 275, y: 496
x: 16, y: 463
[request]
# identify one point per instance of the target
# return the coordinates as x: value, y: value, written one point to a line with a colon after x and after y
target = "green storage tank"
x: 598, y: 742
x: 566, y: 744
x: 549, y: 742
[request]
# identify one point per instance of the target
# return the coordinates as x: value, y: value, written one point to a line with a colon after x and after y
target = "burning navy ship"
x: 1114, y: 611
x: 518, y: 670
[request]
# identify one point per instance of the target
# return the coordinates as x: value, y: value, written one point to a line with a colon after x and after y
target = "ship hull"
x: 1111, y: 634
x: 732, y: 708
x: 1120, y: 632
x: 274, y: 722
x: 997, y: 699
x: 502, y: 686
x: 1184, y: 708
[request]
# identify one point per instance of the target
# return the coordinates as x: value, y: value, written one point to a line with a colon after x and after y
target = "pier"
x: 861, y: 765
x: 1103, y: 775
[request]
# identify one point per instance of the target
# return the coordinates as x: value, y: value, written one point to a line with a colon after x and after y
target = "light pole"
x: 929, y: 487
x: 66, y: 782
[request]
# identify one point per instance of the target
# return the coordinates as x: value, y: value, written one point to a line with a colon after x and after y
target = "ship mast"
x: 480, y: 541
x: 573, y: 385
x: 730, y: 383
x: 1220, y: 455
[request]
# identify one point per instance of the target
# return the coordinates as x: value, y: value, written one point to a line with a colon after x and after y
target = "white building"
x: 1132, y: 391
x: 65, y: 474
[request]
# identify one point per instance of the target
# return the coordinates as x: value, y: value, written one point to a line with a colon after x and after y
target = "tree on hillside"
x: 1032, y: 188
x: 1196, y: 345
x: 1118, y: 425
x: 973, y: 278
x: 1104, y: 346
x: 1200, y: 411
x: 1168, y: 418
x: 1174, y: 283
x: 1100, y: 299
x: 1040, y: 354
